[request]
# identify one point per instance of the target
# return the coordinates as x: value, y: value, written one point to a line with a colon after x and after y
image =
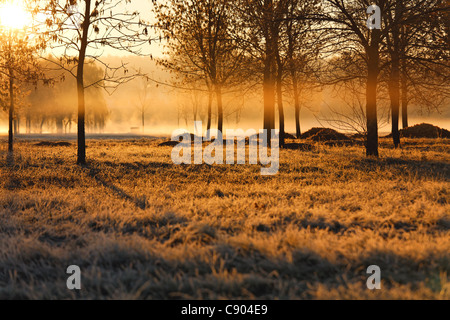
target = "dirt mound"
x: 289, y: 136
x: 183, y: 137
x: 169, y: 144
x: 324, y: 135
x: 425, y: 130
x: 53, y: 144
x: 311, y: 133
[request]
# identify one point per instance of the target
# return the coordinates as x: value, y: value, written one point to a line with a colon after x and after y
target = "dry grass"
x: 142, y: 228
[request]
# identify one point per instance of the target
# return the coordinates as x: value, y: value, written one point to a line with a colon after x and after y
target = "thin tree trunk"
x: 404, y: 73
x: 11, y: 111
x: 394, y: 83
x: 28, y: 123
x: 269, y: 101
x: 80, y: 88
x: 280, y: 101
x: 59, y: 125
x: 219, y: 107
x: 298, y: 129
x: 269, y: 66
x: 81, y: 123
x: 371, y: 95
x: 404, y: 85
x: 16, y: 126
x: 208, y: 126
x: 394, y: 92
x: 41, y: 125
x: 296, y: 103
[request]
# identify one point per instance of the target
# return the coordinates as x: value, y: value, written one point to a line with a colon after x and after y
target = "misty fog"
x: 167, y: 108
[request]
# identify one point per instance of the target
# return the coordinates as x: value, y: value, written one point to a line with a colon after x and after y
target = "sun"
x: 13, y: 15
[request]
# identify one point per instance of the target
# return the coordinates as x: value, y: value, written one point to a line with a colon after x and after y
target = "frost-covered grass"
x: 142, y: 228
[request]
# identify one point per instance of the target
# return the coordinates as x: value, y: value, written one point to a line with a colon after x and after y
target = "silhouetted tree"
x: 143, y: 104
x: 297, y: 53
x: 345, y: 23
x: 260, y: 21
x: 54, y: 103
x: 80, y: 28
x: 201, y: 45
x: 18, y: 63
x: 417, y: 56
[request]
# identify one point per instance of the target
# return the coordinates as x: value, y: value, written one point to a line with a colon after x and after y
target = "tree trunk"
x: 371, y: 95
x: 404, y: 84
x: 404, y: 71
x: 28, y: 123
x: 280, y: 102
x: 16, y: 126
x: 81, y: 123
x: 11, y: 111
x: 41, y: 125
x: 394, y: 81
x: 208, y: 126
x: 293, y: 72
x: 269, y: 66
x: 80, y: 87
x: 298, y: 129
x: 219, y: 107
x: 269, y: 100
x: 59, y: 125
x: 394, y: 92
x: 296, y: 103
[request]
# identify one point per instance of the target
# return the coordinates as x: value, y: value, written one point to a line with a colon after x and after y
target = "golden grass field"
x: 142, y: 228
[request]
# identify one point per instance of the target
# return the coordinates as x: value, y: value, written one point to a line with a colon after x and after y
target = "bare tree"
x: 143, y: 104
x: 297, y: 54
x: 350, y: 115
x: 348, y: 36
x: 261, y: 22
x: 200, y: 45
x: 18, y: 63
x: 416, y: 56
x: 79, y: 29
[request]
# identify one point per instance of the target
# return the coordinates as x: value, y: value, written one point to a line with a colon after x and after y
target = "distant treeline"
x: 51, y: 106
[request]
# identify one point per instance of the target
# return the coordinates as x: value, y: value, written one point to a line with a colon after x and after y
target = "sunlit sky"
x: 13, y: 16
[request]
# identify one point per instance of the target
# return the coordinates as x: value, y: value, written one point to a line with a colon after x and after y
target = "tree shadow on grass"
x: 95, y: 173
x: 9, y: 176
x: 135, y: 165
x: 235, y: 273
x: 400, y: 167
x: 261, y: 275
